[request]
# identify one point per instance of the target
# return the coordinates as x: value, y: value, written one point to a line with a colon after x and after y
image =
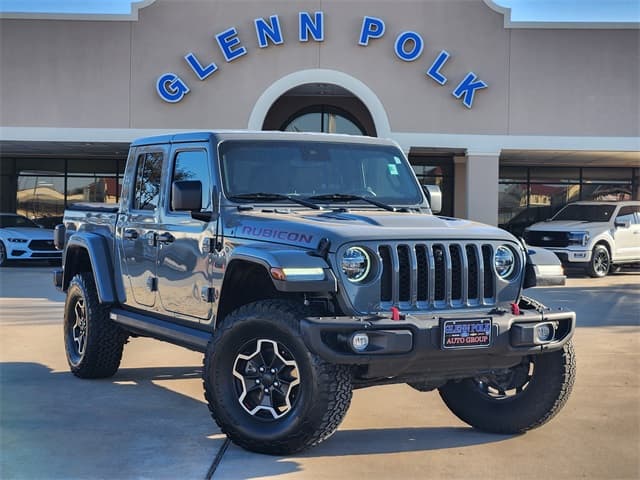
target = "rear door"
x: 184, y: 263
x: 138, y: 225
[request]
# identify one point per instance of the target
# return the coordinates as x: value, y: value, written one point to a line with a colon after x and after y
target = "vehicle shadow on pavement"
x: 57, y: 426
x: 397, y: 440
x: 239, y: 464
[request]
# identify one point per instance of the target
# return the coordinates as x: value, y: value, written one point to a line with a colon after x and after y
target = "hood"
x: 30, y: 233
x: 568, y: 226
x: 306, y: 228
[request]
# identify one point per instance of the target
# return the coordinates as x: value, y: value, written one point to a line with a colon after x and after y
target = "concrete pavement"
x: 150, y: 420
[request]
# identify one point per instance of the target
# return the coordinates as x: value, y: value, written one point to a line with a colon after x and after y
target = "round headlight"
x: 504, y: 261
x: 356, y: 264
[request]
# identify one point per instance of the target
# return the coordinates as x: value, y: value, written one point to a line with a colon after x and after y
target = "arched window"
x: 325, y: 119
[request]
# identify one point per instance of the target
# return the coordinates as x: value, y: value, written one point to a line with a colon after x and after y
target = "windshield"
x: 313, y: 169
x: 11, y: 221
x: 586, y: 213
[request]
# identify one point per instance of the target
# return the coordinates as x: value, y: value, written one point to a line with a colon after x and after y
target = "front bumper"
x: 572, y: 257
x: 412, y: 346
x: 23, y: 252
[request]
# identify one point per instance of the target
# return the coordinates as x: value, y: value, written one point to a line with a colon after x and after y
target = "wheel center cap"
x: 267, y: 379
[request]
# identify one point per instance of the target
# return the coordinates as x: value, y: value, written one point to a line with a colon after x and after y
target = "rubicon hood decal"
x: 276, y: 234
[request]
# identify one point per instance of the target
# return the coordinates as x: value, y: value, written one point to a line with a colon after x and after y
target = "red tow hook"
x: 515, y: 309
x: 395, y: 314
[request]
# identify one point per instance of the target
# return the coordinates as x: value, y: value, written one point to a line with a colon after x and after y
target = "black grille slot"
x: 456, y: 272
x: 441, y: 272
x: 487, y: 257
x: 423, y: 273
x: 41, y: 245
x: 405, y: 274
x: 387, y: 272
x: 472, y: 279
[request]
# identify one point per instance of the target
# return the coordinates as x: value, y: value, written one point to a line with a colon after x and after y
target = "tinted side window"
x: 194, y: 165
x: 147, y: 189
x: 626, y: 214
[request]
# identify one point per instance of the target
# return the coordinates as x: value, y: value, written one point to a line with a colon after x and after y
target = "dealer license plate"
x: 467, y: 333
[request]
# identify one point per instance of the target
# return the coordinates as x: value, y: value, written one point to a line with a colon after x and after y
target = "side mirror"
x: 59, y: 235
x: 186, y: 196
x: 622, y: 223
x: 434, y: 195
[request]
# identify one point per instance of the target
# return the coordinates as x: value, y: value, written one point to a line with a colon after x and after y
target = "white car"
x: 22, y: 239
x: 597, y: 236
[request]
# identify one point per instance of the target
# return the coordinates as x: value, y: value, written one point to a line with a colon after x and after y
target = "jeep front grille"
x: 436, y: 275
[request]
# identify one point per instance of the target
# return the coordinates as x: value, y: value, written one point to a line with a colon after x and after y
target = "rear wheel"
x: 265, y: 389
x: 518, y: 399
x: 600, y: 262
x: 93, y: 342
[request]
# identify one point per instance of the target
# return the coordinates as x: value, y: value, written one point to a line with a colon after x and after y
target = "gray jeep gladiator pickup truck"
x: 304, y: 266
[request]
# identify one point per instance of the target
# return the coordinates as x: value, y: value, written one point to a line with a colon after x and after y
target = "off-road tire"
x: 600, y: 262
x: 544, y: 396
x: 103, y: 340
x: 322, y: 396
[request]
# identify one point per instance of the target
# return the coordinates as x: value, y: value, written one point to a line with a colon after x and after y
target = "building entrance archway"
x: 320, y: 107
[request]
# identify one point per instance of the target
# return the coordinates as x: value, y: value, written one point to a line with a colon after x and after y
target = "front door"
x: 627, y: 239
x: 184, y: 262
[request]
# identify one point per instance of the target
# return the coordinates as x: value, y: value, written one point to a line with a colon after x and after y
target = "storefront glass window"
x: 436, y: 171
x: 41, y: 198
x: 554, y: 175
x: 533, y: 194
x: 323, y: 119
x: 92, y: 189
x: 41, y: 188
x: 513, y: 214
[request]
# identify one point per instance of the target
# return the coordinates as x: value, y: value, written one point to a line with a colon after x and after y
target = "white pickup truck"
x: 597, y: 236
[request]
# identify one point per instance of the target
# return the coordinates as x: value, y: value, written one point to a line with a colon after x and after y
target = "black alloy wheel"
x: 265, y: 389
x: 267, y: 379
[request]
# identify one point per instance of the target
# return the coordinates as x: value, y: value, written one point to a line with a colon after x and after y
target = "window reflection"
x: 324, y: 119
x: 41, y: 198
x: 533, y: 194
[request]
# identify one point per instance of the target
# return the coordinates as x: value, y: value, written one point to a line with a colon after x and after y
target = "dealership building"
x: 513, y: 120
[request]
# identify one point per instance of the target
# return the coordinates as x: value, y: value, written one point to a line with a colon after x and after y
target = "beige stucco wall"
x: 102, y: 74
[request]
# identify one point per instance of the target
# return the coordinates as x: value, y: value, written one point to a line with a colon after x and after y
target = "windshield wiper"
x: 346, y: 197
x: 267, y: 197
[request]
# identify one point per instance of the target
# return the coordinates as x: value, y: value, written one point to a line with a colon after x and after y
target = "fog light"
x: 359, y: 341
x: 544, y: 332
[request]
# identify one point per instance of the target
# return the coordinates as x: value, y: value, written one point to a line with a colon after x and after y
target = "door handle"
x: 130, y: 234
x: 165, y: 237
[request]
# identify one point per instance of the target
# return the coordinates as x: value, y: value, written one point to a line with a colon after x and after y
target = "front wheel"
x: 516, y: 400
x: 265, y: 389
x: 600, y: 262
x: 3, y: 255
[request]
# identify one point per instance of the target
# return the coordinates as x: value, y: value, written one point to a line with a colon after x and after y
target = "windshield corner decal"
x: 408, y: 46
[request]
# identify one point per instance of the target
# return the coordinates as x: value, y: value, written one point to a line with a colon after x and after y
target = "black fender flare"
x: 100, y: 258
x: 278, y: 257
